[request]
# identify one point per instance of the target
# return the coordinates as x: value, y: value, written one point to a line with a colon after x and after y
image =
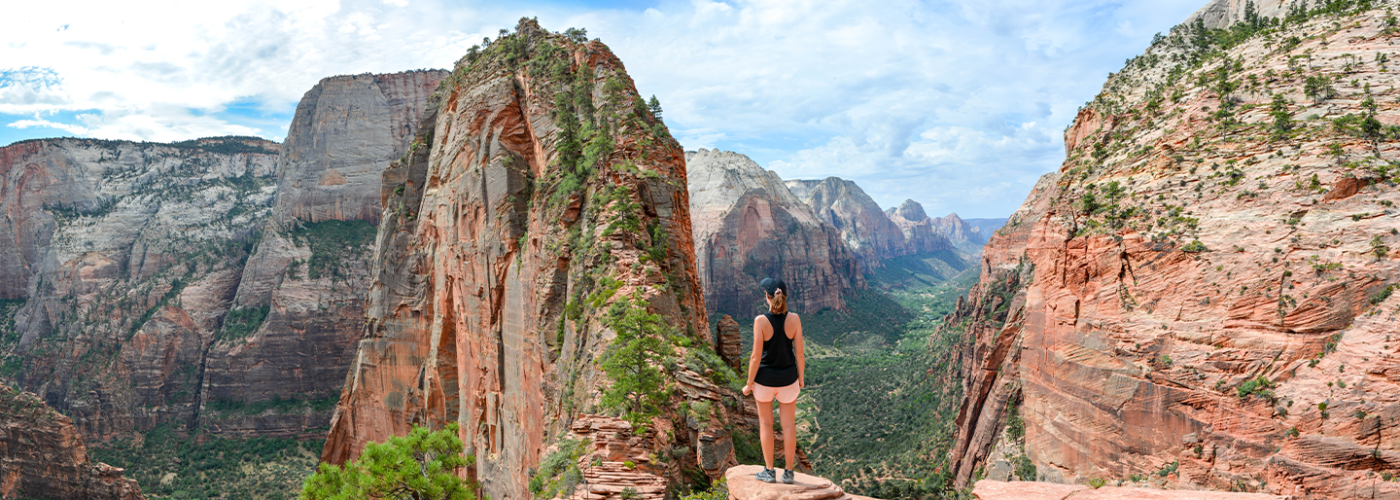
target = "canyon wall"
x: 540, y: 206
x: 748, y: 226
x: 300, y: 303
x: 42, y: 456
x: 1201, y: 297
x: 173, y: 284
x: 872, y: 234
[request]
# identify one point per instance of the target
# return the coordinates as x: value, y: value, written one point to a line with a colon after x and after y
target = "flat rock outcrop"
x: 748, y: 226
x: 542, y: 196
x: 1030, y: 490
x: 1202, y: 297
x: 42, y: 456
x: 743, y: 485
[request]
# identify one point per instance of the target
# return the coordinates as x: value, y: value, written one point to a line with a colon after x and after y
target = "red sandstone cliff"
x: 538, y: 194
x: 1200, y: 297
x: 42, y: 456
x: 749, y: 226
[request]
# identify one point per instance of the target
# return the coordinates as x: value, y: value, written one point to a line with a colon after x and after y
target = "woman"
x: 776, y: 370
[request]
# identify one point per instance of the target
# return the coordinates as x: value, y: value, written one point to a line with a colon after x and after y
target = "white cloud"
x: 959, y: 104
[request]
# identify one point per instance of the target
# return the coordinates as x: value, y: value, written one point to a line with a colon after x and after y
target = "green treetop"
x: 423, y: 465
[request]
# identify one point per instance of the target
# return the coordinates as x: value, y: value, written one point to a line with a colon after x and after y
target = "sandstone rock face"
x: 345, y: 132
x: 749, y: 226
x: 743, y: 485
x: 1029, y: 490
x: 864, y: 227
x: 923, y: 234
x: 873, y: 235
x: 546, y: 196
x: 1201, y: 297
x: 42, y: 456
x: 130, y: 256
x: 1223, y: 13
x: 174, y: 283
x: 730, y: 343
x: 309, y: 275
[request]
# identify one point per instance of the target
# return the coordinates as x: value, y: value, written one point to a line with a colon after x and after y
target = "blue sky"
x: 958, y: 104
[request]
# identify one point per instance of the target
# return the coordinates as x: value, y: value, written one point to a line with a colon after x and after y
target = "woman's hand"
x: 801, y: 382
x: 747, y: 389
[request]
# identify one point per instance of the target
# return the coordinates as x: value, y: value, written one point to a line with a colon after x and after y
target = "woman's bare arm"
x: 801, y: 355
x: 757, y: 355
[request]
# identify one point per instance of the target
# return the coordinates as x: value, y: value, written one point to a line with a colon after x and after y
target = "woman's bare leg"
x: 765, y: 431
x: 788, y: 412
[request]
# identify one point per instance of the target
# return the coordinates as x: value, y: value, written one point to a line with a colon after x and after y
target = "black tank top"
x: 779, y: 365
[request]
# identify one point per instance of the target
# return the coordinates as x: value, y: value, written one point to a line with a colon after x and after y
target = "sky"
x: 959, y: 104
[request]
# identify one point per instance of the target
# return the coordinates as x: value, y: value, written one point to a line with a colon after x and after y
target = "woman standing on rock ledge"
x: 776, y: 370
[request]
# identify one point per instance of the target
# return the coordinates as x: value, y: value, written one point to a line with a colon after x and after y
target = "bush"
x: 420, y: 466
x: 1195, y: 246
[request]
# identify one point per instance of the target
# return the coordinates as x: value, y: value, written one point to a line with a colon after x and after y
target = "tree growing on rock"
x: 420, y: 466
x: 633, y: 362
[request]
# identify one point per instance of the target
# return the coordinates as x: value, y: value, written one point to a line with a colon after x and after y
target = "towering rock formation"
x: 126, y: 257
x: 1202, y: 295
x: 924, y: 234
x: 540, y: 207
x: 300, y: 303
x: 142, y: 285
x: 864, y: 227
x: 42, y: 456
x: 749, y: 226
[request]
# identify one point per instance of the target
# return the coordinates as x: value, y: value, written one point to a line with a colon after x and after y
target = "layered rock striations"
x: 42, y: 456
x: 874, y: 235
x: 864, y: 227
x: 748, y: 226
x: 1202, y: 296
x: 345, y: 132
x: 152, y: 284
x: 299, y: 308
x: 129, y: 255
x: 539, y: 196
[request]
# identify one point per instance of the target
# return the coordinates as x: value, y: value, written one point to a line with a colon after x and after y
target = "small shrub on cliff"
x: 1256, y: 387
x: 420, y: 466
x: 558, y: 473
x: 1195, y: 246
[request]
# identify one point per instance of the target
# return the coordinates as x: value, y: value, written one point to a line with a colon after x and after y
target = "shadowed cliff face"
x: 154, y: 288
x: 749, y: 226
x: 42, y: 456
x: 1200, y: 295
x: 538, y: 194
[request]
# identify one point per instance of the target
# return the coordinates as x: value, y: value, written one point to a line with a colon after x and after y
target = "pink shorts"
x: 785, y: 395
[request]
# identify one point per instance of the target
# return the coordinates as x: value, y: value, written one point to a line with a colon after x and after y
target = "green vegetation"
x: 175, y: 287
x: 420, y: 466
x: 168, y: 464
x: 878, y: 419
x: 225, y: 145
x: 333, y: 244
x: 871, y: 321
x: 239, y: 323
x: 634, y: 359
x: 1259, y: 386
x: 1195, y: 246
x: 559, y: 473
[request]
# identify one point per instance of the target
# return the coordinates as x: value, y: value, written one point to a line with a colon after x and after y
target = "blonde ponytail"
x: 779, y: 305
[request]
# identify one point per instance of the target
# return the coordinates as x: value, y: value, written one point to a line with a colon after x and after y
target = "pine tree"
x: 634, y: 360
x: 655, y: 107
x: 420, y: 466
